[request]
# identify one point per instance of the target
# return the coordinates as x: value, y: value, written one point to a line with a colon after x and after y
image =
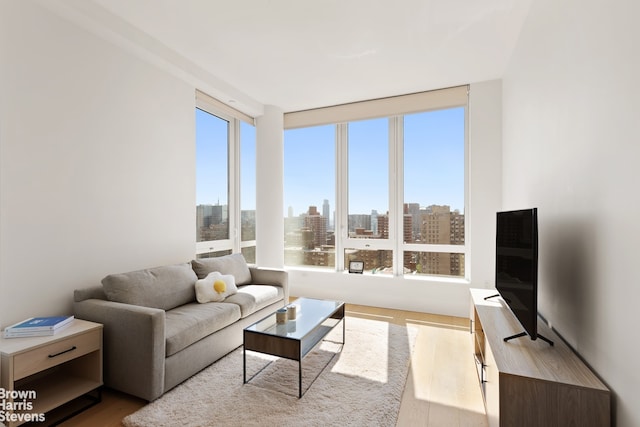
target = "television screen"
x: 517, y: 265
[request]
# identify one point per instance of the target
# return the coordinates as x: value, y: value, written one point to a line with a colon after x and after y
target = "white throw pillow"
x: 215, y: 287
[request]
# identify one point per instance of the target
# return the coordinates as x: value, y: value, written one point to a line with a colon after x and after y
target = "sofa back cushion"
x: 233, y: 264
x: 163, y: 287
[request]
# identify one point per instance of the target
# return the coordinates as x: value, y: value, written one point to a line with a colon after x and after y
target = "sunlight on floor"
x: 442, y: 386
x: 368, y: 315
x: 376, y: 369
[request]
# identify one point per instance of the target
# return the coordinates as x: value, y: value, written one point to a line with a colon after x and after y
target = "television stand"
x: 528, y: 383
x: 523, y: 334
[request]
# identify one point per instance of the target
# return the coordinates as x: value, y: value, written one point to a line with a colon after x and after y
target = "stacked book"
x: 37, y: 326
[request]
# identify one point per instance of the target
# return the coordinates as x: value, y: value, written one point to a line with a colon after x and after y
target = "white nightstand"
x: 51, y: 371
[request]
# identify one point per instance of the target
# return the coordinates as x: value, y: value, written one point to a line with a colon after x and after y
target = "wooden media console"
x: 531, y: 383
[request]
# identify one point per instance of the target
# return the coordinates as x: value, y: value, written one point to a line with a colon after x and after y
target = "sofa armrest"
x: 93, y: 292
x: 133, y: 345
x: 271, y: 276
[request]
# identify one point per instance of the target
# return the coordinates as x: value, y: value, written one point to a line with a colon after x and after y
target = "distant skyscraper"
x: 325, y: 212
x: 374, y: 221
x: 383, y: 226
x: 413, y: 209
x: 212, y: 222
x: 407, y: 221
x: 317, y: 225
x: 290, y: 212
x: 441, y: 226
x: 359, y: 221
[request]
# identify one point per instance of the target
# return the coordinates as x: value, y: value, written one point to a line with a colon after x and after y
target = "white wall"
x: 269, y: 178
x: 485, y: 178
x: 448, y: 297
x: 571, y: 149
x: 96, y: 161
x: 97, y: 175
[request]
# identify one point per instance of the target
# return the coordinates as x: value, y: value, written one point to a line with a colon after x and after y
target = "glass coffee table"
x: 294, y: 339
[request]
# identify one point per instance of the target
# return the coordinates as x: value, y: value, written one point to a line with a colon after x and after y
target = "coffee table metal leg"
x: 244, y: 365
x: 300, y: 378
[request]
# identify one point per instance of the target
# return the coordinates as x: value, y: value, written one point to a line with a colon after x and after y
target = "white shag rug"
x: 358, y: 384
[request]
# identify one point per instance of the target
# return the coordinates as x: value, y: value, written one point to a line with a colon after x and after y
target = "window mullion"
x: 467, y: 252
x: 396, y: 185
x: 341, y: 222
x: 234, y: 184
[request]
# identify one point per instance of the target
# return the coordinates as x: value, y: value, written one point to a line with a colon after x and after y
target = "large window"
x: 309, y: 195
x: 225, y: 180
x: 212, y: 183
x: 433, y: 211
x: 368, y: 181
x: 399, y: 182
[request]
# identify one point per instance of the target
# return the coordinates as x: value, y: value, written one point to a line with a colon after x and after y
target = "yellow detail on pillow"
x: 215, y: 287
x: 219, y: 286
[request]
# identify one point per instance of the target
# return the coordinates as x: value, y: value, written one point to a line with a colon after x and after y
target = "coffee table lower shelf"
x: 267, y: 337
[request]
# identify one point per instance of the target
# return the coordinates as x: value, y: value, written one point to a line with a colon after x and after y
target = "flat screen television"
x: 517, y: 267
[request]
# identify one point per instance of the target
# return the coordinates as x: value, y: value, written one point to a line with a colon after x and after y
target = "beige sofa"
x: 156, y: 334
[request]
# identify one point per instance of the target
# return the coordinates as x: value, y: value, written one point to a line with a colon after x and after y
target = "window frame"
x: 242, y: 244
x: 395, y: 243
x: 334, y: 157
x: 233, y: 117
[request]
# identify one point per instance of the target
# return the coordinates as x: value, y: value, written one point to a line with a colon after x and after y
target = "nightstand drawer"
x: 55, y: 353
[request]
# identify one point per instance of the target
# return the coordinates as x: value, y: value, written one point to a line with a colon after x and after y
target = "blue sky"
x: 211, y: 161
x: 433, y: 163
x: 309, y: 168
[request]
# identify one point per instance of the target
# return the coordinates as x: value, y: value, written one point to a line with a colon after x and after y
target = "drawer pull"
x: 51, y: 356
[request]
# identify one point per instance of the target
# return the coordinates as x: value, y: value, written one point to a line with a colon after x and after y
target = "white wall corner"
x: 270, y: 188
x: 485, y: 177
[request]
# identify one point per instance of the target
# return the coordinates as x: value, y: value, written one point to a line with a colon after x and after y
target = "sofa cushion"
x: 215, y: 287
x: 233, y: 264
x: 251, y: 298
x: 163, y: 287
x: 190, y: 323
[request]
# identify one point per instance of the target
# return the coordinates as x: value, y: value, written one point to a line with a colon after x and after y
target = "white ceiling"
x: 301, y: 54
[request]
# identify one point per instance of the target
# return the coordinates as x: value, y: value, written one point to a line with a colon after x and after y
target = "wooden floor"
x: 442, y: 386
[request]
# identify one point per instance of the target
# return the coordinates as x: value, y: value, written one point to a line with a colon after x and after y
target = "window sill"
x: 409, y: 277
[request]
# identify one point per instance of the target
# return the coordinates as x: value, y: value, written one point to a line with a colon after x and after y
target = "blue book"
x: 40, y: 324
x: 18, y: 333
